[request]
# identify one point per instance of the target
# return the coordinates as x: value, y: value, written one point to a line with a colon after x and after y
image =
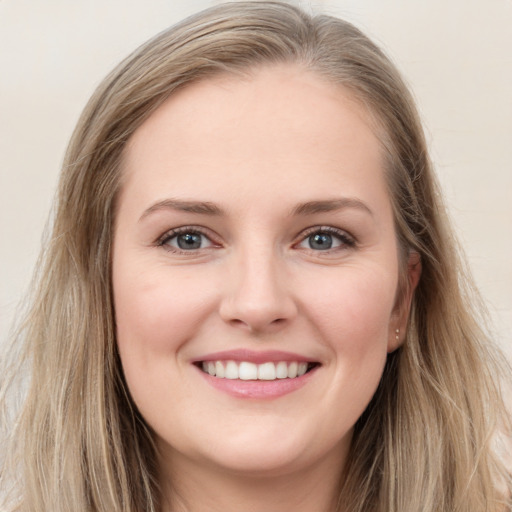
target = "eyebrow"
x: 302, y: 209
x: 199, y: 207
x: 312, y: 207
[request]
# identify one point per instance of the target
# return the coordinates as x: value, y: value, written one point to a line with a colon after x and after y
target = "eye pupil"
x: 320, y: 241
x: 189, y: 241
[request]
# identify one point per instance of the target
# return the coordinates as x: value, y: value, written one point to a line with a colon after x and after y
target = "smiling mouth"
x: 245, y: 370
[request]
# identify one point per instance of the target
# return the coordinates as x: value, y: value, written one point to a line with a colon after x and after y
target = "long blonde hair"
x: 427, y: 440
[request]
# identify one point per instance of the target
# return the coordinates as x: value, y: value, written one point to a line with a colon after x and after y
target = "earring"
x: 397, y: 334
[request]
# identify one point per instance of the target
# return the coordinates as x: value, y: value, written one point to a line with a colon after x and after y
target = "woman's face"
x: 255, y: 242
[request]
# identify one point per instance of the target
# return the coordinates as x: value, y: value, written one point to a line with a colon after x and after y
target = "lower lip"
x: 262, y: 389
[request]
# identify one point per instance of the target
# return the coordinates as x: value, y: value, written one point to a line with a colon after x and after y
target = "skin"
x: 256, y: 148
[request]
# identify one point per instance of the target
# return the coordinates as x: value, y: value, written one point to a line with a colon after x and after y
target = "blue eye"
x: 187, y: 240
x: 324, y: 239
x: 320, y: 241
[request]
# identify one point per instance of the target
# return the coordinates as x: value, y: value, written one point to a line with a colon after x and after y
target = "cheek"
x: 153, y: 309
x: 144, y: 316
x: 350, y: 310
x: 156, y: 314
x: 353, y: 309
x: 359, y: 316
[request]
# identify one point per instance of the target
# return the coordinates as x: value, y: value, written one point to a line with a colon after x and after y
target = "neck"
x: 196, y: 487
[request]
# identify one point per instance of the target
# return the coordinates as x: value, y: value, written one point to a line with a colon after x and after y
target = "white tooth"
x: 219, y: 370
x: 281, y: 370
x: 247, y: 371
x: 267, y: 371
x: 292, y: 370
x: 211, y: 368
x: 205, y: 366
x: 231, y: 370
x: 301, y: 370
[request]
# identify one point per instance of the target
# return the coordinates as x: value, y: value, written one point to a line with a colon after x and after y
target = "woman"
x: 252, y: 299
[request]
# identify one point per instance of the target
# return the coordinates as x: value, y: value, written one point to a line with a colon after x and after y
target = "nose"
x: 257, y: 294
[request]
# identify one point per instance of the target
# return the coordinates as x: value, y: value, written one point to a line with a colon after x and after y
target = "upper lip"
x: 256, y: 357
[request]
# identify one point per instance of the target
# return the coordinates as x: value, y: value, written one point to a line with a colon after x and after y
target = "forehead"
x: 280, y: 124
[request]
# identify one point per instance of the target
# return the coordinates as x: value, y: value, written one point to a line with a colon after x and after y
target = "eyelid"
x: 347, y: 240
x: 162, y: 240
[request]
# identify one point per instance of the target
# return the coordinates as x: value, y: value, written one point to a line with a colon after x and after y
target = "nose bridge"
x: 258, y: 294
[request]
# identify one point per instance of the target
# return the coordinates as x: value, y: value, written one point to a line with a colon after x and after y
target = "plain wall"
x: 456, y: 55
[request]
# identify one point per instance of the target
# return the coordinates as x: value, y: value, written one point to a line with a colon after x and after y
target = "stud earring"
x: 397, y: 334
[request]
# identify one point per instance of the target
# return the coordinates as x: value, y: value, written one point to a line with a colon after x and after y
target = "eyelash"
x: 164, y: 240
x: 347, y: 241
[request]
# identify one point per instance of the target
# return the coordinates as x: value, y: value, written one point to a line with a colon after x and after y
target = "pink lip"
x: 258, y: 389
x: 253, y: 356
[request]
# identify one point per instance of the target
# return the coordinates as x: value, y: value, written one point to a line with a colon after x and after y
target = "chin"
x: 266, y: 450
x: 255, y: 462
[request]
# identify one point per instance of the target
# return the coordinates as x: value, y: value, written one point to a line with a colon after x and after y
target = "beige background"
x: 456, y: 54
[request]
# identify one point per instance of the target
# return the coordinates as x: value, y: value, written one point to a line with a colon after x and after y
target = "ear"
x: 398, y: 323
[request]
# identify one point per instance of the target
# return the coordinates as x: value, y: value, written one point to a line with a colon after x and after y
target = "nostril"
x: 259, y: 325
x: 257, y: 296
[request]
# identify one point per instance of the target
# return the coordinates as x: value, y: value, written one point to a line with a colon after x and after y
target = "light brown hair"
x: 425, y: 442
